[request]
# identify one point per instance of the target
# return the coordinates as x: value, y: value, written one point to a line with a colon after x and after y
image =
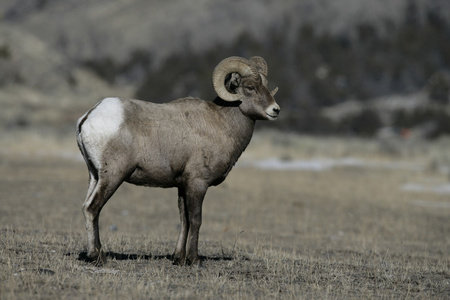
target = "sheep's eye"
x: 250, y: 88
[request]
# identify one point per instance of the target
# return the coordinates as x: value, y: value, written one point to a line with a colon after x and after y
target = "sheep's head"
x: 245, y: 80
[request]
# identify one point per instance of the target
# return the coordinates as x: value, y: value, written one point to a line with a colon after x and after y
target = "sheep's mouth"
x: 271, y: 117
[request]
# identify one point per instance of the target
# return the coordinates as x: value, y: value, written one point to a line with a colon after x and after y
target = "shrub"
x: 366, y: 123
x: 5, y: 52
x: 439, y: 87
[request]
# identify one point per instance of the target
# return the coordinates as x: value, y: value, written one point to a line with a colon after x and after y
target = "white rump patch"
x: 102, y: 123
x: 106, y: 118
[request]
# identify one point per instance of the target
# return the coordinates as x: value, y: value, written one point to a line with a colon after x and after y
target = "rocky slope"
x: 44, y: 45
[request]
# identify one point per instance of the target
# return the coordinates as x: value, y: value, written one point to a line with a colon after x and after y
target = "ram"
x: 189, y: 144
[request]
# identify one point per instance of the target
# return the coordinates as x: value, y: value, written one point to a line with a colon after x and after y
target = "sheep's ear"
x: 275, y: 90
x: 232, y: 82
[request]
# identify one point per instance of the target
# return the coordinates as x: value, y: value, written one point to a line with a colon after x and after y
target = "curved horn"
x: 227, y: 66
x: 260, y: 64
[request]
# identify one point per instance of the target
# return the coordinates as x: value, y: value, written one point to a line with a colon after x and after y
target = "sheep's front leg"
x: 194, y: 201
x: 179, y: 256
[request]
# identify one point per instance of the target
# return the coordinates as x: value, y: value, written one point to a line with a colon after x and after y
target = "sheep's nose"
x: 276, y: 109
x: 272, y: 111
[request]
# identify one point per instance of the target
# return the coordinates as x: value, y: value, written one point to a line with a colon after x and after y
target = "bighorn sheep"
x: 189, y: 143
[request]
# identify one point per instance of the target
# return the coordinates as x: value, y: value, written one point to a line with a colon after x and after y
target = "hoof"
x: 179, y: 261
x: 98, y: 258
x: 186, y: 261
x: 196, y: 262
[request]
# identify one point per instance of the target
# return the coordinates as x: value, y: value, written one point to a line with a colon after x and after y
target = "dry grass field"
x: 351, y: 231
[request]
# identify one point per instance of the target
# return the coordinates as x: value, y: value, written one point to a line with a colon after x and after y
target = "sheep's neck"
x: 239, y: 127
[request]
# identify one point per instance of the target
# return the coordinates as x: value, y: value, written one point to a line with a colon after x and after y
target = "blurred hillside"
x: 353, y: 67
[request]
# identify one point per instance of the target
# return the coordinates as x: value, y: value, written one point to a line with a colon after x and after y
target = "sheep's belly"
x: 154, y: 178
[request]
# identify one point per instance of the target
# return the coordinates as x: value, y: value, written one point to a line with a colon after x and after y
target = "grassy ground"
x: 346, y: 232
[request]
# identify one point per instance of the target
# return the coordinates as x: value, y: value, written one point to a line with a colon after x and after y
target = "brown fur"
x: 188, y: 143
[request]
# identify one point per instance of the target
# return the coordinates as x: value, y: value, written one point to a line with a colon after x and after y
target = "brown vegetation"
x: 347, y: 232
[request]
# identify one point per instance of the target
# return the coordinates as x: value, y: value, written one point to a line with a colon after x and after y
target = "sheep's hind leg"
x: 92, y: 184
x: 97, y: 197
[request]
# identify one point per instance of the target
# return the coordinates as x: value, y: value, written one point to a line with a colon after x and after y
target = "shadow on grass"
x: 82, y: 256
